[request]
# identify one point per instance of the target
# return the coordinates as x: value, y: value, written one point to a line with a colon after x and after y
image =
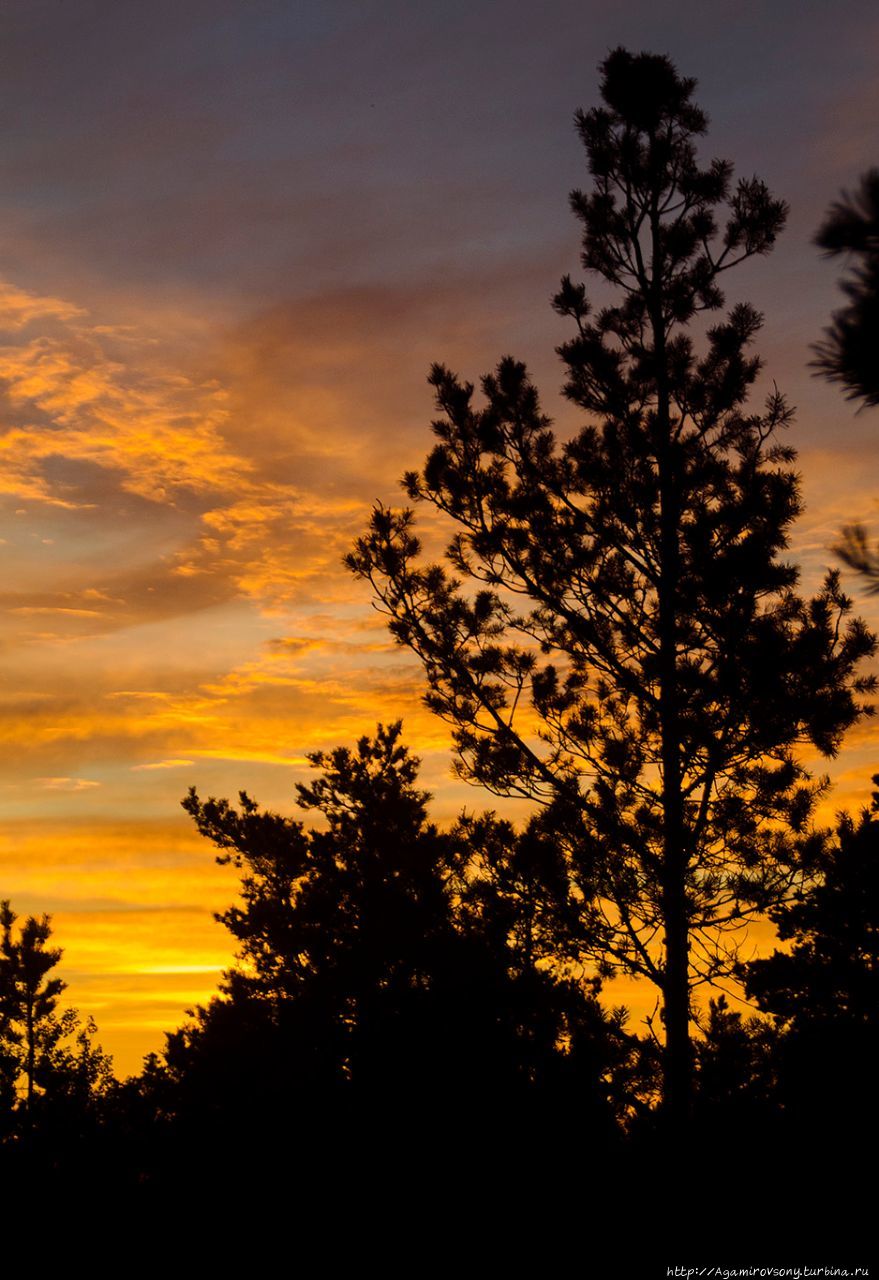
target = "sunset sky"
x: 233, y: 236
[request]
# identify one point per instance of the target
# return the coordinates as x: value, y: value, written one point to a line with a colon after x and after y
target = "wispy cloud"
x: 67, y: 784
x: 162, y: 764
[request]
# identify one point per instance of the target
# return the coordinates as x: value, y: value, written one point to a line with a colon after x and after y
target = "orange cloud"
x: 67, y: 784
x: 163, y: 764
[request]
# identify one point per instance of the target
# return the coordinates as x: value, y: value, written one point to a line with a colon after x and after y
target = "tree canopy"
x: 383, y: 959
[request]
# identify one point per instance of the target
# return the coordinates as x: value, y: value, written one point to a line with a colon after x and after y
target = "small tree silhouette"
x: 28, y: 996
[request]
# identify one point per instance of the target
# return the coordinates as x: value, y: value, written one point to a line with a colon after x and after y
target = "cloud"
x: 29, y: 611
x: 246, y: 472
x: 67, y: 784
x: 19, y: 308
x: 68, y: 396
x: 163, y: 764
x: 159, y: 477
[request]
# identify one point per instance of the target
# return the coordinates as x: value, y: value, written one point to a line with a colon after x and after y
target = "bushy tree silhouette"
x: 736, y: 1096
x: 824, y: 989
x: 617, y: 635
x: 390, y: 973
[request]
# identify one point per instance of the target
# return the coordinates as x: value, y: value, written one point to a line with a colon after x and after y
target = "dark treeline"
x: 409, y: 1001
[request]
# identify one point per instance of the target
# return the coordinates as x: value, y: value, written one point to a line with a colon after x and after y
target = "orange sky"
x: 230, y: 250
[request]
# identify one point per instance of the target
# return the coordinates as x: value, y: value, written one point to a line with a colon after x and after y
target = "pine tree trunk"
x: 676, y: 992
x: 676, y: 987
x: 676, y: 1065
x: 29, y: 1031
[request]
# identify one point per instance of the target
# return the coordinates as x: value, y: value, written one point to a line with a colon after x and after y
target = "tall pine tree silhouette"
x: 616, y: 633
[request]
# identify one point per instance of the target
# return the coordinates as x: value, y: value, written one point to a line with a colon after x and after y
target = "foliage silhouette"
x: 55, y: 1080
x: 28, y: 996
x: 617, y: 635
x: 736, y: 1094
x: 824, y: 990
x: 386, y: 981
x: 849, y: 353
